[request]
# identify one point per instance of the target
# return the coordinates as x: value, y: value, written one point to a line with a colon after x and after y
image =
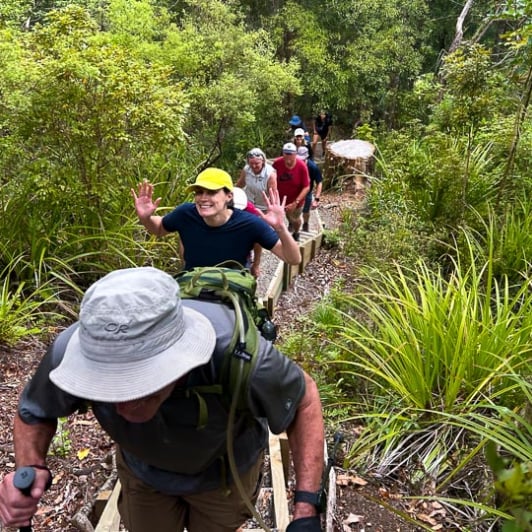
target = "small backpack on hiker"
x: 236, y: 288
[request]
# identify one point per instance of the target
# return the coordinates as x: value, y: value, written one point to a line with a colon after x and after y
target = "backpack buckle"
x: 240, y: 352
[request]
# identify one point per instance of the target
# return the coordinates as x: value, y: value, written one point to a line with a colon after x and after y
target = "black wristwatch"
x: 312, y: 497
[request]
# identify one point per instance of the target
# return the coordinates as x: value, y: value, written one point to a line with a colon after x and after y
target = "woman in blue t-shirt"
x: 211, y: 231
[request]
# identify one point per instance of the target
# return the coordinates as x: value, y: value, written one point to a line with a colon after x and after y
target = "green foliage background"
x: 433, y: 348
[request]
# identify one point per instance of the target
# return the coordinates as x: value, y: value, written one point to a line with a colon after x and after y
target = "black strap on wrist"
x: 50, y: 476
x: 311, y: 497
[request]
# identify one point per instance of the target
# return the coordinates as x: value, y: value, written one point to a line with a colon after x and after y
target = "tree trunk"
x: 459, y: 35
x: 348, y: 164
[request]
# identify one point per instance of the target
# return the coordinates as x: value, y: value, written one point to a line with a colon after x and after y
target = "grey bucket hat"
x: 134, y: 338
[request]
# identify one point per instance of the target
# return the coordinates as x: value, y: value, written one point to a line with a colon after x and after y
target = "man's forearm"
x: 32, y: 441
x: 306, y: 439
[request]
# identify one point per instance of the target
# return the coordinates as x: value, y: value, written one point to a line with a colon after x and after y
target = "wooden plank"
x: 318, y: 240
x: 306, y: 254
x: 291, y: 271
x: 314, y: 249
x: 99, y: 504
x: 331, y: 502
x: 110, y: 519
x: 274, y: 291
x: 285, y: 454
x: 331, y: 493
x: 280, y: 502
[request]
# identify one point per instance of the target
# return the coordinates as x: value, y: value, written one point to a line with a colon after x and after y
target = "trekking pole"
x: 23, y: 481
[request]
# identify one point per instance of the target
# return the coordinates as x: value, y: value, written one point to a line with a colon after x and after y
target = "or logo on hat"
x: 116, y: 328
x: 289, y: 147
x: 299, y: 132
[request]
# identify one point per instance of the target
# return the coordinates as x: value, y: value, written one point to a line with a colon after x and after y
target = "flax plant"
x: 436, y: 342
x: 438, y: 366
x: 24, y: 312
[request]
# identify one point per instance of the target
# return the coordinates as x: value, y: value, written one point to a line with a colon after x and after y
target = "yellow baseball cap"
x: 213, y: 179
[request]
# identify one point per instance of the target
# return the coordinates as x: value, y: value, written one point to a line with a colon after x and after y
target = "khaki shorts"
x: 144, y: 509
x: 295, y: 215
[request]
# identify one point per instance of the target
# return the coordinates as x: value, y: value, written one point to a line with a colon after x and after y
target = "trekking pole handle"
x: 23, y: 481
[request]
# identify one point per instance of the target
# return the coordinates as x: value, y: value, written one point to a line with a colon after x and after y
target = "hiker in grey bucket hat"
x: 141, y: 358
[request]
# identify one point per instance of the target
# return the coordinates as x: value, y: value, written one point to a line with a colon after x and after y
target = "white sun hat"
x: 240, y: 199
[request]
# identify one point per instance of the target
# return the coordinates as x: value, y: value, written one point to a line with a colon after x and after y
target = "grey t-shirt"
x: 171, y: 452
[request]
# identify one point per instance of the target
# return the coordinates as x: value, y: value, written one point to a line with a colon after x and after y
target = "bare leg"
x: 315, y: 140
x: 296, y: 224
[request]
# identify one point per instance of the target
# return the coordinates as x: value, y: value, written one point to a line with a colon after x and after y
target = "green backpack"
x: 236, y: 288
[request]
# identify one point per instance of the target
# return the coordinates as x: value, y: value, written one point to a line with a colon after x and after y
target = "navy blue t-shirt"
x: 208, y: 246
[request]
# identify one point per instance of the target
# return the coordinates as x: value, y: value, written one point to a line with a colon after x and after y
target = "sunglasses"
x: 254, y: 154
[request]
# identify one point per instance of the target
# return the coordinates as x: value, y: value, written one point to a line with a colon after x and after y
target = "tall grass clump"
x: 25, y: 312
x: 505, y: 240
x: 442, y: 177
x: 80, y: 235
x: 437, y: 367
x: 392, y: 228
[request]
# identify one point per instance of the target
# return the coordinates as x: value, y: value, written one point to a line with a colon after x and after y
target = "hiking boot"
x: 305, y: 227
x: 296, y: 236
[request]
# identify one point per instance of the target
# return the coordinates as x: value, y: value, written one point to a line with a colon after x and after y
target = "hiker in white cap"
x: 302, y: 139
x: 134, y: 357
x: 210, y: 230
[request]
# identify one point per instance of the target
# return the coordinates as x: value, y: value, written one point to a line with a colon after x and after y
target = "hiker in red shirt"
x: 293, y: 182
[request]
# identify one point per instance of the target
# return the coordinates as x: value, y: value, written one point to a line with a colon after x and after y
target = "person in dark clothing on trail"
x: 322, y: 129
x: 210, y: 230
x: 312, y: 198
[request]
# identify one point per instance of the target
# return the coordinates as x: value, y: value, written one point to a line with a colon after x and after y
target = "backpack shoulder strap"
x: 235, y: 288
